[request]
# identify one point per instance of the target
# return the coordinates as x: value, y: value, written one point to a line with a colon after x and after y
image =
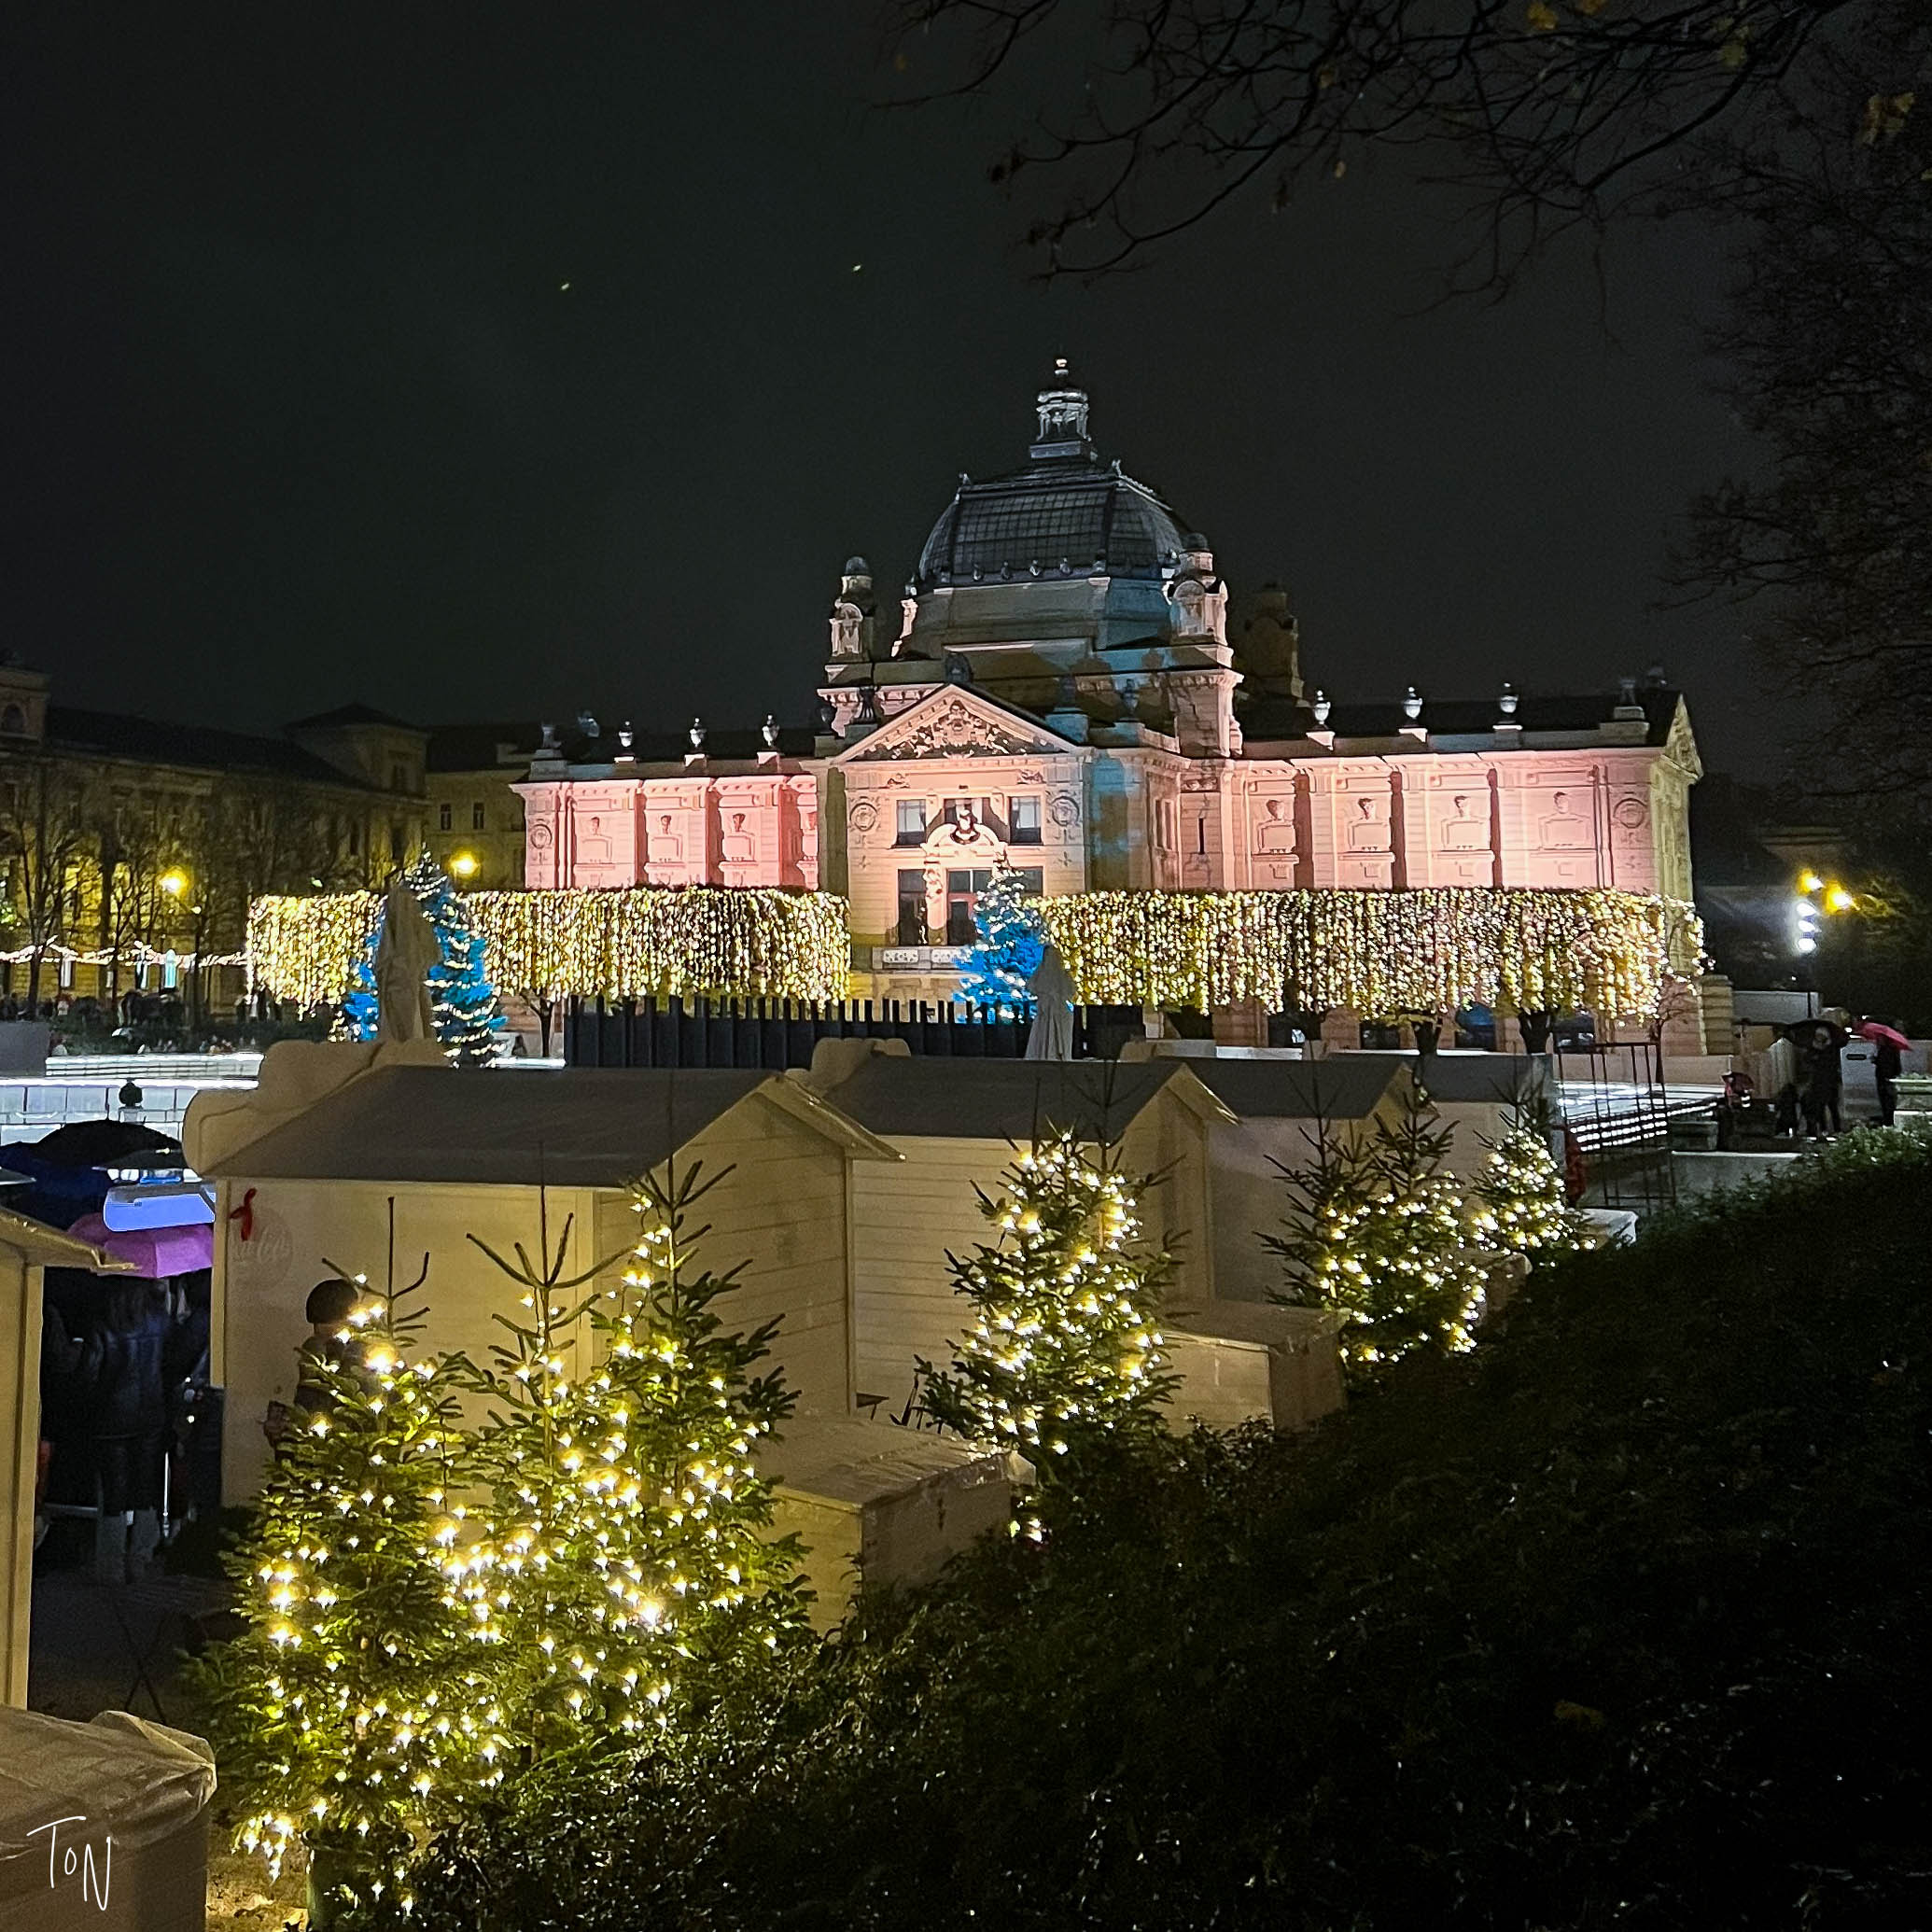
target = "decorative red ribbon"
x: 244, y: 1214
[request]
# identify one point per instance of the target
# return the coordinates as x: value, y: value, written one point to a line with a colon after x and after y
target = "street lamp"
x: 173, y: 883
x: 464, y: 865
x: 1804, y: 924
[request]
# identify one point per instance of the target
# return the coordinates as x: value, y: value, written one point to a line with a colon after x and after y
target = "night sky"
x: 303, y: 410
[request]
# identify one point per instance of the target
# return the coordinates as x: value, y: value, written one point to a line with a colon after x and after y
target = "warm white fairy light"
x: 1064, y: 1341
x: 630, y: 1532
x: 1377, y: 1233
x: 1519, y: 1200
x: 638, y: 941
x: 1433, y: 949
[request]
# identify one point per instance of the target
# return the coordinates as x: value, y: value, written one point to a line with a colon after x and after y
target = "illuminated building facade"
x: 1061, y: 689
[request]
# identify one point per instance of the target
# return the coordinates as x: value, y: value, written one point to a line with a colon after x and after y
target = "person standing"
x: 330, y: 1305
x: 1780, y: 1075
x: 122, y: 1370
x: 1824, y: 1084
x: 1886, y: 1060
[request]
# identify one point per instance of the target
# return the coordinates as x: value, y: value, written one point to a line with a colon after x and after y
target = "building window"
x: 912, y: 908
x: 398, y: 777
x: 396, y: 844
x: 1023, y: 816
x: 442, y: 818
x: 13, y: 721
x: 911, y: 823
x: 355, y: 840
x: 476, y: 816
x: 962, y: 891
x: 1200, y: 837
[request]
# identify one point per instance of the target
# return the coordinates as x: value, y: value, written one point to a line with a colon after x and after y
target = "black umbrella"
x: 1802, y: 1032
x: 107, y: 1143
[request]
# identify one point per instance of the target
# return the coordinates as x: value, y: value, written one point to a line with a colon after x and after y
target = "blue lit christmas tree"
x: 357, y: 1017
x: 462, y: 1001
x: 997, y: 972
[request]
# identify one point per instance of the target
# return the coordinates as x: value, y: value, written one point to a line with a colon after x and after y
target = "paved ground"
x: 98, y: 1649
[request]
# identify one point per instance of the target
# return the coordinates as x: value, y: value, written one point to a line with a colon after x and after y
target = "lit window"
x: 911, y: 821
x: 1023, y: 816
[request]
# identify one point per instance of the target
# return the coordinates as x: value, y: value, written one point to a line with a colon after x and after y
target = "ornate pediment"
x: 955, y: 724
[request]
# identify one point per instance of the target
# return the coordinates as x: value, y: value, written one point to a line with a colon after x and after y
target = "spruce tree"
x: 1521, y: 1200
x: 1379, y: 1234
x: 353, y: 1710
x: 1064, y: 1349
x: 357, y: 1017
x: 998, y: 969
x: 635, y: 1568
x: 462, y: 1002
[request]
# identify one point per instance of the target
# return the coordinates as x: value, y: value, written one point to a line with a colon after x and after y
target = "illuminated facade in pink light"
x: 1062, y: 691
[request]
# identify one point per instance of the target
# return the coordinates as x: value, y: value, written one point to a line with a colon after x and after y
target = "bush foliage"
x: 1617, y: 1621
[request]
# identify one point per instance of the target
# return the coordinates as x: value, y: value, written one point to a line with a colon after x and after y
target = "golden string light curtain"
x: 1375, y: 953
x: 634, y: 941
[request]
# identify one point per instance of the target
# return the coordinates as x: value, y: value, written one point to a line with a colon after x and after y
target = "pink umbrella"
x: 1877, y: 1029
x: 154, y: 1251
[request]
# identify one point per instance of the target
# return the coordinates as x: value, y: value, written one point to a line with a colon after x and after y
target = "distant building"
x: 1059, y: 690
x: 121, y: 834
x: 475, y: 819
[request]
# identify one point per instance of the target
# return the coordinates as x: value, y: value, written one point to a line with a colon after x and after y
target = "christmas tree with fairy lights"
x: 1064, y: 1347
x: 1377, y: 1233
x: 997, y: 970
x: 357, y: 1017
x: 630, y: 1533
x: 1520, y: 1197
x: 462, y: 1002
x: 355, y: 1708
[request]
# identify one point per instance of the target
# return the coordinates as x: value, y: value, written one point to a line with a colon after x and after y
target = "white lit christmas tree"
x: 1064, y: 1346
x: 1523, y: 1202
x: 1377, y: 1233
x: 997, y: 970
x: 355, y: 1710
x: 633, y: 1560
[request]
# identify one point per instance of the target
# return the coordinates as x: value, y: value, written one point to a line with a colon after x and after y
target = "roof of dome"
x: 1066, y: 506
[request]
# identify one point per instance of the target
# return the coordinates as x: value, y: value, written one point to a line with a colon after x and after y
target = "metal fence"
x: 779, y: 1033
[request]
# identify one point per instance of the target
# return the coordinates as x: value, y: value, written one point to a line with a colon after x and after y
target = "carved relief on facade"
x: 954, y: 727
x: 1274, y: 826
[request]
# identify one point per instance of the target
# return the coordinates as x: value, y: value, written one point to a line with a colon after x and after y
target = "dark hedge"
x: 1620, y: 1620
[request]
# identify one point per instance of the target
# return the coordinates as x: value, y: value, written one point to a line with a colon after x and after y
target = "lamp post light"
x: 464, y: 865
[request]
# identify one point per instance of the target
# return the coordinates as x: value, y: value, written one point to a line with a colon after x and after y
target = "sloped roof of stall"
x: 576, y: 1126
x: 1346, y: 1086
x: 1503, y: 1078
x: 922, y: 1098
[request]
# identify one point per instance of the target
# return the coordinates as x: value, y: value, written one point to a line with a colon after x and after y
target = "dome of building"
x: 1067, y: 513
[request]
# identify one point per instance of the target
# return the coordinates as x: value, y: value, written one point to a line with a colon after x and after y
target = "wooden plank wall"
x: 781, y: 1211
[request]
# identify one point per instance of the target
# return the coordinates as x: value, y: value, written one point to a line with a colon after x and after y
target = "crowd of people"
x: 1806, y: 1076
x: 123, y: 1363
